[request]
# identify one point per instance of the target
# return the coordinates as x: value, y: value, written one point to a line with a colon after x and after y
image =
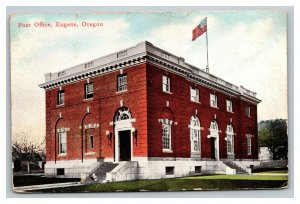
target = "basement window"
x: 169, y: 170
x: 60, y: 172
x: 198, y: 169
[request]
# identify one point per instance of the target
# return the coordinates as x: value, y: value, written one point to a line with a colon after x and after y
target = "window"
x: 60, y: 97
x: 88, y: 89
x: 230, y: 139
x: 247, y: 111
x: 198, y: 169
x: 166, y: 136
x: 194, y: 94
x: 229, y: 105
x: 195, y: 134
x: 62, y: 142
x: 122, y: 82
x: 213, y: 100
x: 249, y: 152
x: 166, y: 84
x: 60, y: 172
x: 169, y: 170
x: 91, y: 141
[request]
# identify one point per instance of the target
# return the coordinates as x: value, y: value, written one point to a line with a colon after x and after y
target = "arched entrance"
x: 214, y: 140
x: 123, y: 134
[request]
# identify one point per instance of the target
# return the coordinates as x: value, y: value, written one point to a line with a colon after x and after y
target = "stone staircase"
x: 101, y: 172
x: 238, y: 169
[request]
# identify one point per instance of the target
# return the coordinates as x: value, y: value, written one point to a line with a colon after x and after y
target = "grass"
x: 213, y: 182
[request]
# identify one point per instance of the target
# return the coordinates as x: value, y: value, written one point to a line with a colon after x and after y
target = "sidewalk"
x: 270, y: 174
x: 22, y: 189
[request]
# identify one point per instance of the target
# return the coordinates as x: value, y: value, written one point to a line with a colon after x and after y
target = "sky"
x: 247, y: 48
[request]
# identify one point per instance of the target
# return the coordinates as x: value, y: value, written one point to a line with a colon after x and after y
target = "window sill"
x: 87, y: 99
x: 60, y: 105
x: 167, y: 92
x: 167, y: 151
x: 120, y: 92
x: 62, y: 155
x: 89, y: 153
x: 216, y: 107
x: 230, y: 112
x: 198, y: 102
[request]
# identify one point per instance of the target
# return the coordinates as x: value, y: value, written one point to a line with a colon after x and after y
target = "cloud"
x: 251, y: 54
x: 38, y: 51
x: 253, y: 51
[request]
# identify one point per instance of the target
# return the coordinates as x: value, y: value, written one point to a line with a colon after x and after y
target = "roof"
x: 141, y: 53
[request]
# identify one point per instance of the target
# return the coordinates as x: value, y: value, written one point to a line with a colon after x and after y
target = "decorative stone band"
x: 195, y: 127
x: 167, y: 121
x: 63, y: 129
x: 219, y: 131
x: 249, y: 135
x: 91, y: 126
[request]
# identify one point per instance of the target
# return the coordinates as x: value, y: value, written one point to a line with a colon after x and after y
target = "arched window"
x: 195, y: 134
x: 214, y: 128
x: 123, y: 114
x: 230, y: 139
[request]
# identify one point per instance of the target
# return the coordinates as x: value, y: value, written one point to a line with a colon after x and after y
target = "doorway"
x: 212, y: 148
x: 125, y: 145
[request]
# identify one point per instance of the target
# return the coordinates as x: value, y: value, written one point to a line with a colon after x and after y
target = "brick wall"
x: 183, y: 108
x: 103, y: 106
x: 147, y: 103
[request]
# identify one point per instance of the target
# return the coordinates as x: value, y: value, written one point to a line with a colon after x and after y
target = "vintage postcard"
x: 149, y: 101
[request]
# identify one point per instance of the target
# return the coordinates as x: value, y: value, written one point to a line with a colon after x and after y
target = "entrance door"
x: 212, y: 148
x: 125, y: 145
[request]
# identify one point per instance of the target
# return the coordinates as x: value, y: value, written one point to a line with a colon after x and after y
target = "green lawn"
x: 213, y: 182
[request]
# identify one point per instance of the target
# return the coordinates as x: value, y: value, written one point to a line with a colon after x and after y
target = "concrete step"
x: 102, y: 170
x: 238, y: 169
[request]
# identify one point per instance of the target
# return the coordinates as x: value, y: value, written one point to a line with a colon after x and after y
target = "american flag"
x: 200, y: 29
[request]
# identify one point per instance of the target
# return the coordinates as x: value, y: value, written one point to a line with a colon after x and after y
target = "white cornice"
x: 145, y: 52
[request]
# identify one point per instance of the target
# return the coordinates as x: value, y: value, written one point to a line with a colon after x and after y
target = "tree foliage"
x: 27, y: 148
x: 273, y: 134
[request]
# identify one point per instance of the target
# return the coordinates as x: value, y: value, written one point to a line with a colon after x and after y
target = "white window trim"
x: 249, y: 143
x: 198, y: 129
x: 59, y: 143
x: 170, y: 140
x: 124, y: 83
x: 231, y: 134
x: 231, y: 108
x: 197, y: 97
x: 167, y: 84
x: 59, y: 97
x: 248, y: 113
x: 88, y: 92
x: 216, y: 100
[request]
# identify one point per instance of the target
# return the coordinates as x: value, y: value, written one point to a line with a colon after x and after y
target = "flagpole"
x: 207, y: 66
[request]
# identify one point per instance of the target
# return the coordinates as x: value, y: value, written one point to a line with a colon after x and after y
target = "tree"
x: 27, y: 148
x: 273, y: 134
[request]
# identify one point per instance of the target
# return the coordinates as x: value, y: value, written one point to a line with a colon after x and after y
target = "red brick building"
x: 150, y: 114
